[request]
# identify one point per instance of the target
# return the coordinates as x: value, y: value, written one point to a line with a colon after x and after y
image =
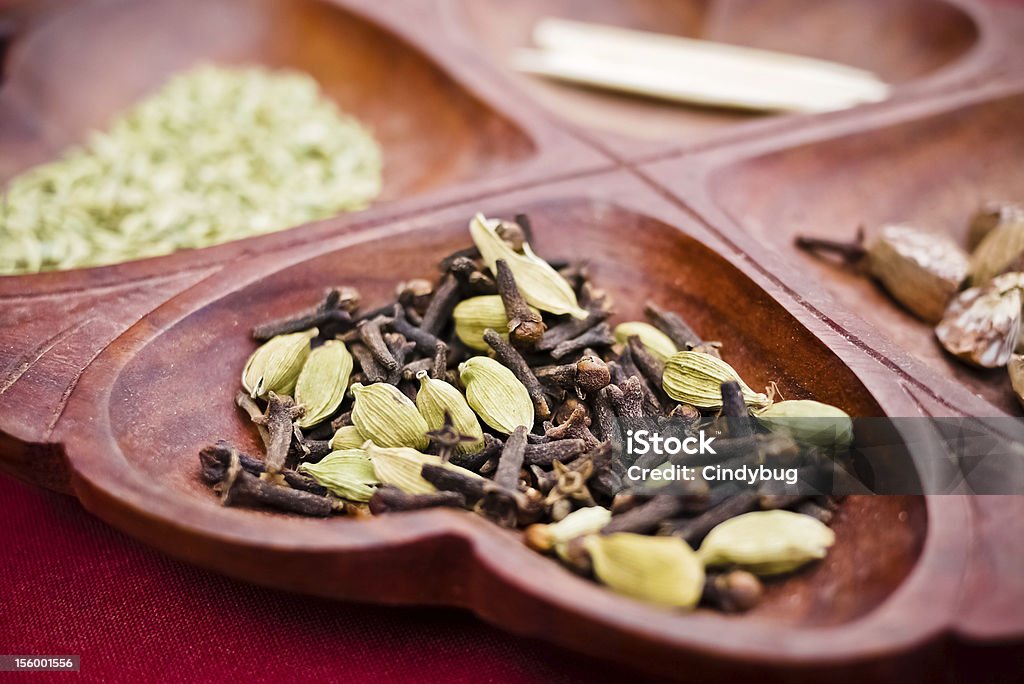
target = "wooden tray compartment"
x: 135, y: 465
x: 87, y: 352
x: 73, y: 66
x: 933, y: 172
x: 904, y: 42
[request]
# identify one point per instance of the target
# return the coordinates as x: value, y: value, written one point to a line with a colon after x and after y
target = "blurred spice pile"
x: 216, y: 155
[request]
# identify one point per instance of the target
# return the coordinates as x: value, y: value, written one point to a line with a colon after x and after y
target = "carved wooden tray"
x: 700, y: 214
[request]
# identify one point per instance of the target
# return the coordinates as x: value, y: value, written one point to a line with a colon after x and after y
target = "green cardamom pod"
x: 581, y: 522
x: 496, y: 394
x: 809, y: 422
x: 387, y: 417
x: 541, y: 285
x: 767, y: 542
x: 982, y: 324
x: 656, y: 342
x: 346, y: 473
x: 1001, y: 250
x: 323, y: 381
x: 693, y: 377
x: 276, y: 365
x: 921, y: 270
x: 437, y: 398
x: 662, y: 570
x: 402, y: 467
x: 475, y: 315
x: 347, y: 437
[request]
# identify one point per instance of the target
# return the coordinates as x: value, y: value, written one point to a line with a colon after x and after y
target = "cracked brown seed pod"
x: 1000, y: 251
x: 988, y: 217
x: 982, y: 324
x: 1015, y: 367
x: 921, y: 270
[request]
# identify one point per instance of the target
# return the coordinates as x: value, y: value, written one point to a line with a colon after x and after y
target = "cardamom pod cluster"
x: 496, y: 395
x: 662, y: 570
x: 696, y: 378
x: 323, y: 381
x: 475, y: 315
x: 656, y: 342
x: 436, y: 399
x: 921, y: 270
x: 982, y: 324
x: 387, y: 417
x: 767, y: 542
x: 347, y: 473
x: 528, y: 433
x: 541, y: 285
x: 809, y: 422
x: 275, y: 366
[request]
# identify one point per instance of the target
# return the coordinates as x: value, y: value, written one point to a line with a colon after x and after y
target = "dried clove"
x: 331, y: 317
x: 279, y: 420
x: 372, y: 370
x: 525, y: 325
x: 598, y: 336
x: 647, y: 516
x: 372, y: 336
x: 400, y: 349
x: 693, y: 530
x: 415, y: 294
x: 570, y: 330
x: 734, y: 408
x: 388, y: 499
x: 563, y: 450
x: 241, y: 487
x: 499, y: 500
x: 627, y: 400
x: 672, y: 325
x: 577, y: 427
x: 439, y: 311
x: 425, y: 341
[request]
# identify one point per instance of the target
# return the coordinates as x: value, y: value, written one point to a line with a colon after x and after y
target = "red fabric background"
x: 69, y: 584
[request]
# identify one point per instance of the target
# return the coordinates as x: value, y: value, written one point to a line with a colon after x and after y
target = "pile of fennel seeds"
x: 217, y: 154
x: 502, y: 389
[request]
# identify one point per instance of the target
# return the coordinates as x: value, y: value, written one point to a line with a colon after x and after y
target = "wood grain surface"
x: 112, y: 378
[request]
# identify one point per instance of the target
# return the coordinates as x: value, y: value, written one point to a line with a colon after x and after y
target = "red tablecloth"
x: 69, y: 584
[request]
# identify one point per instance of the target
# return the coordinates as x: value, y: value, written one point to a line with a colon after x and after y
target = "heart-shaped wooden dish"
x: 113, y: 378
x: 163, y: 390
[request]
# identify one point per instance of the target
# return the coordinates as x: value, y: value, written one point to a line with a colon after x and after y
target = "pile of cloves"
x: 974, y: 300
x: 503, y: 389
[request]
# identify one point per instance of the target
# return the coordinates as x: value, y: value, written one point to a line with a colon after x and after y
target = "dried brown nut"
x: 921, y: 270
x: 988, y: 217
x: 1015, y: 367
x: 982, y: 324
x: 1001, y: 250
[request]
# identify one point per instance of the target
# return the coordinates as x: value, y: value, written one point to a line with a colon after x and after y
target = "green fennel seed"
x: 217, y: 154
